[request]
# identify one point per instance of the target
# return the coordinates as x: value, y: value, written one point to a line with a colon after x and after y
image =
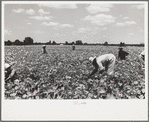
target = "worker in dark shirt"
x: 122, y: 54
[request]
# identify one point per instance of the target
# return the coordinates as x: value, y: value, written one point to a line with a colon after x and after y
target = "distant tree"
x: 17, y: 42
x: 48, y: 43
x: 106, y: 43
x: 66, y: 43
x: 122, y: 44
x: 53, y: 43
x: 37, y: 43
x: 8, y: 42
x: 28, y: 41
x: 79, y: 42
x: 73, y: 43
x: 142, y: 44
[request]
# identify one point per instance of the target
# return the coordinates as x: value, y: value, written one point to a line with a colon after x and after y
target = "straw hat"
x: 143, y: 53
x: 91, y: 59
x: 44, y: 46
x: 6, y: 65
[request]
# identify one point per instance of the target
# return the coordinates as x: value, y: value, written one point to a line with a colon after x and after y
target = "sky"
x: 91, y: 22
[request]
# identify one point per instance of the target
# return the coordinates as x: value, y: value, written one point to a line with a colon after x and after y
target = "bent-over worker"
x: 104, y: 63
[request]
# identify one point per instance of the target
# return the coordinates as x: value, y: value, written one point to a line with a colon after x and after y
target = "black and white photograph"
x: 75, y: 51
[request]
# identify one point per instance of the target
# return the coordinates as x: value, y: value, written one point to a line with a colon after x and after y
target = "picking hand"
x: 101, y: 71
x: 89, y: 76
x: 7, y: 79
x: 85, y: 76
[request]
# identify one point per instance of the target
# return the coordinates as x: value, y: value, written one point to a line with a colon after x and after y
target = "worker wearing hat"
x: 104, y: 63
x: 9, y: 71
x: 142, y: 55
x: 142, y: 59
x: 122, y: 54
x: 44, y: 49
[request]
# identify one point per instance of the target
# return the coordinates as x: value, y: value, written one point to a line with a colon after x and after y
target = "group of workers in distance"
x: 104, y: 63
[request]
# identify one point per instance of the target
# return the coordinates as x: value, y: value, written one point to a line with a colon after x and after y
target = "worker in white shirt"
x: 44, y: 49
x: 104, y: 63
x: 142, y: 55
x: 142, y: 58
x: 9, y: 71
x: 73, y: 47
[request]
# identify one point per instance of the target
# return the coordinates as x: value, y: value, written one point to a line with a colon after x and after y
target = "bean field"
x: 61, y: 73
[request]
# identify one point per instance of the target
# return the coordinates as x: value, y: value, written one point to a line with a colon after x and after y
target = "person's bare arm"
x: 126, y: 53
x: 96, y: 68
x: 93, y: 72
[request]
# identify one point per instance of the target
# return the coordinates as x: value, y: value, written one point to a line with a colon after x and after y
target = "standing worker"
x: 73, y: 47
x: 122, y: 54
x: 44, y: 49
x: 104, y: 63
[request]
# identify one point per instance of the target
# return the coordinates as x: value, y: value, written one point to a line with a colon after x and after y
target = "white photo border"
x: 98, y: 110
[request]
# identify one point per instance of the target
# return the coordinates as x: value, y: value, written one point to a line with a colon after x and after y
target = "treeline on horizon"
x: 30, y: 41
